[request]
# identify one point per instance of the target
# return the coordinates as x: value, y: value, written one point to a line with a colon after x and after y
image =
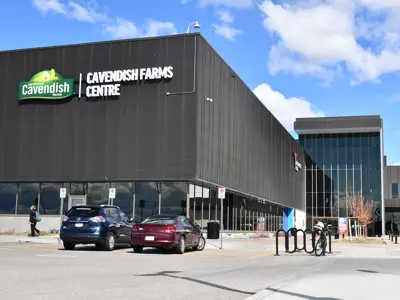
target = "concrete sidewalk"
x: 47, y: 239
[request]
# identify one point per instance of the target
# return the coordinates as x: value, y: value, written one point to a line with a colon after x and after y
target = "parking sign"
x: 63, y: 193
x: 221, y: 193
x: 112, y: 193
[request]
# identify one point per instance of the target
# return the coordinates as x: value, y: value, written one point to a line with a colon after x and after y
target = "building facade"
x: 163, y: 120
x: 345, y: 157
x: 391, y: 195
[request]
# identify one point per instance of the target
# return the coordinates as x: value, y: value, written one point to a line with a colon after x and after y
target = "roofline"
x: 337, y: 130
x: 353, y: 117
x: 102, y: 42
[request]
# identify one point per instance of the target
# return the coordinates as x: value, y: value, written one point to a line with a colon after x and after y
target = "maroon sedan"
x: 167, y: 232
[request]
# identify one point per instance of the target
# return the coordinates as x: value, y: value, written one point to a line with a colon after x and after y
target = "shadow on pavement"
x: 376, y: 272
x: 169, y: 274
x: 301, y: 295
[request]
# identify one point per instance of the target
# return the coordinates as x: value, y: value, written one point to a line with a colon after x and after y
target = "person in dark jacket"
x: 33, y: 221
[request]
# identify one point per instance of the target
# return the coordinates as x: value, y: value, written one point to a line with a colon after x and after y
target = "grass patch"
x: 363, y: 241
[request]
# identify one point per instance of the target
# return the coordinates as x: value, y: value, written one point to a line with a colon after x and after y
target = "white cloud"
x: 225, y: 16
x: 317, y: 36
x: 227, y: 32
x: 88, y: 14
x: 45, y: 6
x: 123, y: 28
x: 286, y: 110
x: 396, y: 164
x: 228, y: 3
x: 155, y: 28
x: 84, y: 12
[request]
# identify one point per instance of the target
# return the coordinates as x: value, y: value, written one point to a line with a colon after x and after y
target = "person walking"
x: 33, y: 221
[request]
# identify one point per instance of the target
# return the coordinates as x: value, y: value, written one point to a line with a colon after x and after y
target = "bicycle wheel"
x: 318, y: 247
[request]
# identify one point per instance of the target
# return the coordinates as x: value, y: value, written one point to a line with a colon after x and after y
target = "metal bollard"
x: 330, y: 241
x: 395, y: 239
x: 392, y: 237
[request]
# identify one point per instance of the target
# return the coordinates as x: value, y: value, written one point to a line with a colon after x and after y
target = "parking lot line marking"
x: 5, y: 249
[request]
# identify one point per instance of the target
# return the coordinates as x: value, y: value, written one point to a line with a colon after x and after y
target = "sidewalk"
x: 53, y: 239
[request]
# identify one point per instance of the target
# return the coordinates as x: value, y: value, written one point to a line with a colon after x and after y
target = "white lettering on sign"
x: 108, y: 83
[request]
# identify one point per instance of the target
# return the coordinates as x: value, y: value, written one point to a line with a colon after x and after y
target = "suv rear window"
x: 84, y: 212
x: 160, y: 220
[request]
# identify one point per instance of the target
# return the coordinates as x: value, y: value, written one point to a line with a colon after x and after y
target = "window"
x: 28, y: 195
x: 8, y: 194
x: 173, y: 197
x: 124, y: 196
x: 50, y: 198
x: 146, y: 199
x: 395, y: 190
x: 97, y: 193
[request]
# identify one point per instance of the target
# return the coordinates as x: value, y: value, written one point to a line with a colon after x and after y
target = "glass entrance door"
x: 74, y: 200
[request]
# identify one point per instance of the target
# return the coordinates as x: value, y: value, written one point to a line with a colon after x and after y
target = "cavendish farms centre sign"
x: 47, y: 84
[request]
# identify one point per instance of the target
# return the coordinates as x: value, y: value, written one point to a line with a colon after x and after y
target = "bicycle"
x: 320, y: 243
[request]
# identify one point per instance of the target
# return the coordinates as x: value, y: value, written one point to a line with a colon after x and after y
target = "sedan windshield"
x: 160, y: 220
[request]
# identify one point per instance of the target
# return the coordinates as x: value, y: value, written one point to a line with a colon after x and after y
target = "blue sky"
x: 307, y: 57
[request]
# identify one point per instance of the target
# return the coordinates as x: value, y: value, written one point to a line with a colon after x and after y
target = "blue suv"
x: 102, y: 225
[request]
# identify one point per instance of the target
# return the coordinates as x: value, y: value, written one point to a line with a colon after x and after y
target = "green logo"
x: 47, y: 84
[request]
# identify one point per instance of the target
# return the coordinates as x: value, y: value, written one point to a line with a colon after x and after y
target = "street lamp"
x: 196, y: 26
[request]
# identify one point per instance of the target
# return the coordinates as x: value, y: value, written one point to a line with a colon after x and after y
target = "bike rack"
x: 304, y: 247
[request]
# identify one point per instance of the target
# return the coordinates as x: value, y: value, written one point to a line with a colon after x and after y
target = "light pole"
x: 196, y: 26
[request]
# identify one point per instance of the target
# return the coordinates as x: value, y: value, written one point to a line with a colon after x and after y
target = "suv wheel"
x: 110, y: 241
x: 138, y: 249
x: 69, y: 246
x: 181, y: 245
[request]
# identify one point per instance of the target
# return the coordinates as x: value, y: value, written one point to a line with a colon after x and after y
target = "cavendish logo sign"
x: 47, y: 84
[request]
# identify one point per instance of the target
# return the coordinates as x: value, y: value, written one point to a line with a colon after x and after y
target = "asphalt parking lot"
x: 45, y: 271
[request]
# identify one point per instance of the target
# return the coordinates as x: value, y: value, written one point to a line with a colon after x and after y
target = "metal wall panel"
x: 240, y: 144
x: 142, y: 134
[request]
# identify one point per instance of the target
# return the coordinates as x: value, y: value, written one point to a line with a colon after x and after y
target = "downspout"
x: 194, y: 75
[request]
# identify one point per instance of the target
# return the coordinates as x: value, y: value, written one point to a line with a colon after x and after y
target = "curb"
x: 30, y: 240
x: 54, y: 240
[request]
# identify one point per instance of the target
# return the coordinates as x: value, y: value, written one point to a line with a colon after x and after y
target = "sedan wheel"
x: 201, y: 245
x: 181, y: 245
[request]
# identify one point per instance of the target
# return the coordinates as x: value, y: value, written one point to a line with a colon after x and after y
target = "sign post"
x: 63, y: 195
x: 111, y: 195
x: 221, y: 195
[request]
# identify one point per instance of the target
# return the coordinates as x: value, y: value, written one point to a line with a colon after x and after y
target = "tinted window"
x: 395, y: 190
x: 160, y: 220
x: 114, y: 214
x: 85, y: 212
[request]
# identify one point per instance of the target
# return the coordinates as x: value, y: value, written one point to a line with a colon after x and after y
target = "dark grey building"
x: 391, y: 195
x: 345, y: 157
x: 163, y: 120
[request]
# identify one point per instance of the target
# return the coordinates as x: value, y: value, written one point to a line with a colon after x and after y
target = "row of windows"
x: 239, y: 213
x: 341, y: 150
x: 350, y: 181
x: 143, y: 199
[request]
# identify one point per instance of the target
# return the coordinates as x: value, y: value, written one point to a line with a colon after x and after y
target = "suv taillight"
x: 170, y: 228
x: 97, y: 219
x: 134, y: 228
x: 65, y: 218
